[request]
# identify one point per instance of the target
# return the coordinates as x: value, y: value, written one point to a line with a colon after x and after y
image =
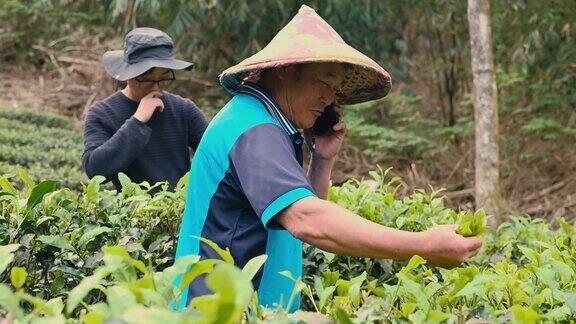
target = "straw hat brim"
x: 307, y: 38
x: 361, y: 82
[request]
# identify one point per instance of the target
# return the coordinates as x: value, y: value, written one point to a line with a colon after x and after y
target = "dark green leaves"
x: 56, y: 241
x: 39, y: 191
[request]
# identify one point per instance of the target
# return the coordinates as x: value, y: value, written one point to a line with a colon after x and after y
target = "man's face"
x: 309, y: 89
x: 155, y: 79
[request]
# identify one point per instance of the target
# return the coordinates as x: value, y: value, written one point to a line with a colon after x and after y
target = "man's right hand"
x: 444, y: 247
x: 148, y: 105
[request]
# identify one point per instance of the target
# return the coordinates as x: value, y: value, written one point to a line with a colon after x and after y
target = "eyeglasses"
x: 162, y: 83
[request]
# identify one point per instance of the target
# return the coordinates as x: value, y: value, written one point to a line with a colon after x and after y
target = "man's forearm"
x: 335, y: 229
x: 118, y: 151
x: 319, y: 175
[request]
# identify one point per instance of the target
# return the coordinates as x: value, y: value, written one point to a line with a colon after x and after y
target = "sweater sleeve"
x: 197, y: 124
x: 107, y: 155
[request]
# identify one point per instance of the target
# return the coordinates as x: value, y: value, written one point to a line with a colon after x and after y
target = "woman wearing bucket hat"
x: 255, y: 197
x: 142, y: 130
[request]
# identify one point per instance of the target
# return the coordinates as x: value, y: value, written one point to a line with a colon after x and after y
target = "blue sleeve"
x: 264, y: 162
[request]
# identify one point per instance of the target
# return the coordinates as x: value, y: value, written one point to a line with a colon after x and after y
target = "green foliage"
x: 18, y: 277
x: 32, y: 26
x: 376, y: 201
x: 67, y: 249
x: 425, y: 46
x: 548, y: 128
x: 537, y: 49
x: 6, y: 255
x: 393, y: 126
x: 128, y: 295
x: 472, y: 224
x: 524, y: 271
x: 101, y: 255
x: 49, y: 146
x: 39, y: 120
x: 61, y: 232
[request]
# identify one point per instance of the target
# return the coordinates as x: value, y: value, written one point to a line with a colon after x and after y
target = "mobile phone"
x: 325, y: 122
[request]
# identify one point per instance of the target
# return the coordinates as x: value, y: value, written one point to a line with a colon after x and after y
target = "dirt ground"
x: 69, y: 90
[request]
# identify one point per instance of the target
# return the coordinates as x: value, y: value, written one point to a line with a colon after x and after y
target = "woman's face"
x: 155, y: 79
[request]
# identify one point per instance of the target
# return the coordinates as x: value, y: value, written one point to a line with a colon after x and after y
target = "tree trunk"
x: 128, y: 16
x: 485, y: 109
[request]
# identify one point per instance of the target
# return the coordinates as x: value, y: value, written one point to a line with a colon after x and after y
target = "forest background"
x: 50, y: 53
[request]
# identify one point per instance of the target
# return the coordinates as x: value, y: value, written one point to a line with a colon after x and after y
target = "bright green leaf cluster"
x: 472, y: 224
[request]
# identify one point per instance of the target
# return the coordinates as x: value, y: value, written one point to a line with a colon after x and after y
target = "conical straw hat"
x: 307, y: 38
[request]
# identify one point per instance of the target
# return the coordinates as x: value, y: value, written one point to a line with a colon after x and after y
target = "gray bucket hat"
x: 144, y: 48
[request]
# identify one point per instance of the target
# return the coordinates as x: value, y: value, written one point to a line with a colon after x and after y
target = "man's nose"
x: 328, y: 97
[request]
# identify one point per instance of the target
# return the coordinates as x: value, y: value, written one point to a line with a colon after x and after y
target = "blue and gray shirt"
x: 247, y: 169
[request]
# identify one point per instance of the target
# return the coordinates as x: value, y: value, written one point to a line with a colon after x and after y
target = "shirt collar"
x: 253, y: 89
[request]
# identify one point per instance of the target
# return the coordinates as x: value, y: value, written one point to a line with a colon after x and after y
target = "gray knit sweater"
x: 159, y: 150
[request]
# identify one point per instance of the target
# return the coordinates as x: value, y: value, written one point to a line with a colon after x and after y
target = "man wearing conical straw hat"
x: 248, y: 190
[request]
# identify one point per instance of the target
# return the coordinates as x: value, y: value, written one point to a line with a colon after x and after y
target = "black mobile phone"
x: 325, y: 122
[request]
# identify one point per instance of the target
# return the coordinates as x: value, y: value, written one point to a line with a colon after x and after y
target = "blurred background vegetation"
x: 50, y: 52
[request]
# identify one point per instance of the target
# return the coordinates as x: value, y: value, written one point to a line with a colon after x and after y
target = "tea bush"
x: 100, y: 255
x: 524, y: 273
x: 46, y: 145
x: 61, y: 232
